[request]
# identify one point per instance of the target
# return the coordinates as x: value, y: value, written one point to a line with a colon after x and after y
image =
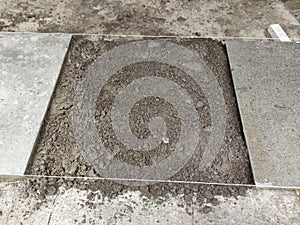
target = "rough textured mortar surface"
x: 56, y: 152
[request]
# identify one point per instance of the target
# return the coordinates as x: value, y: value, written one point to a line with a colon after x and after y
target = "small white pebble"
x: 165, y: 140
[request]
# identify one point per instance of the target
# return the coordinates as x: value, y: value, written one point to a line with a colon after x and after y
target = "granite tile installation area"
x: 149, y: 112
x: 103, y: 94
x: 136, y: 112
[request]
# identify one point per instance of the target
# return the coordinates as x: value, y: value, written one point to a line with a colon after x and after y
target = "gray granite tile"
x: 266, y: 78
x: 29, y: 68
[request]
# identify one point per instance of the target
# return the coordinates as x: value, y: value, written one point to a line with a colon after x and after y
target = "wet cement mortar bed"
x: 56, y: 152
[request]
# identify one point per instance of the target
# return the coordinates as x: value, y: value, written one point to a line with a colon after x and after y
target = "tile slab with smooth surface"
x: 29, y: 67
x: 266, y: 78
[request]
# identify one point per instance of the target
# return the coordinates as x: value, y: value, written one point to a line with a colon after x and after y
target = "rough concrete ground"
x: 294, y: 7
x: 189, y: 17
x: 74, y: 206
x: 71, y: 205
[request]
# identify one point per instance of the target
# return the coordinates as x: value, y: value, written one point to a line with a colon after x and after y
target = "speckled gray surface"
x: 203, y: 18
x: 29, y: 67
x: 75, y: 207
x: 266, y: 77
x: 78, y: 204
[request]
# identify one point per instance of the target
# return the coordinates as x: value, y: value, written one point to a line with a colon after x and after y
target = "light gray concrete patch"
x: 266, y: 77
x: 73, y: 206
x: 259, y: 206
x: 29, y: 67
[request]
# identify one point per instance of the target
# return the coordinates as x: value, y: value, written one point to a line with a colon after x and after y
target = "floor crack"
x: 53, y: 203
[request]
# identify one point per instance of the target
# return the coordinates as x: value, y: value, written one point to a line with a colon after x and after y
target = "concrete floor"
x: 71, y: 205
x: 294, y: 7
x: 190, y: 17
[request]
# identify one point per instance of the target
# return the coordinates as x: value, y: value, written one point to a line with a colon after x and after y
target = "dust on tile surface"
x: 29, y: 67
x: 266, y: 78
